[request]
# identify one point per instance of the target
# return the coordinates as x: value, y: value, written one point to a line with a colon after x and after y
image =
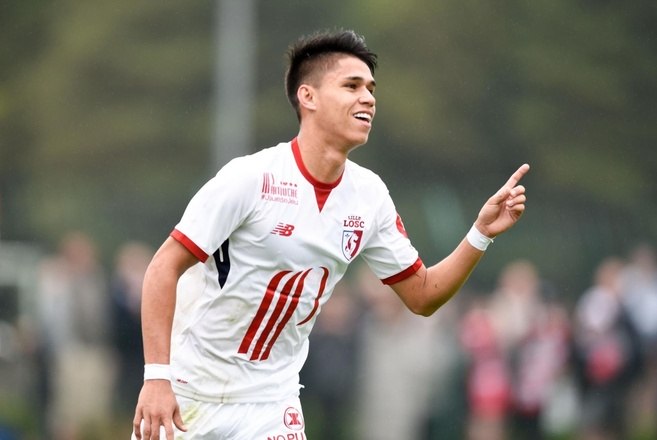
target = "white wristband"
x: 157, y: 371
x: 477, y: 239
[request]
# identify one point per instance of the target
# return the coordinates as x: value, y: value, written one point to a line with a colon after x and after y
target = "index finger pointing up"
x: 515, y: 177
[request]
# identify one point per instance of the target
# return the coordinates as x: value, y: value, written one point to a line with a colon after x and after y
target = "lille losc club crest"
x: 351, y: 243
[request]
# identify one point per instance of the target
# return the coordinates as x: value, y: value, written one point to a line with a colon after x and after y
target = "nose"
x: 367, y: 98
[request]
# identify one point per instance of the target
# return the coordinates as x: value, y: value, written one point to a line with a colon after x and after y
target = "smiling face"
x: 340, y: 103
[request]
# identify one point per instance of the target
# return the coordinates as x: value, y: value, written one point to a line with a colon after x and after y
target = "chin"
x: 357, y: 144
x: 360, y: 140
x: 356, y: 140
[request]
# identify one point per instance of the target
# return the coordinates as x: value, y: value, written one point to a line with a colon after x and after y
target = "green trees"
x: 106, y: 113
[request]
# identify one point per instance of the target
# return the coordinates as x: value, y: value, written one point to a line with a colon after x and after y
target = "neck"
x: 324, y: 160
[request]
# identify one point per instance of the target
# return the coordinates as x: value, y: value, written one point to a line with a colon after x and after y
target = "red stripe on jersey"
x: 267, y: 181
x: 189, y: 245
x: 288, y: 314
x: 401, y: 276
x: 278, y: 309
x: 262, y: 311
x: 322, y: 286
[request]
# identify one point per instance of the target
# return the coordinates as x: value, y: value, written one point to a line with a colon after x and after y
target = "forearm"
x: 445, y: 278
x: 430, y: 288
x: 158, y: 306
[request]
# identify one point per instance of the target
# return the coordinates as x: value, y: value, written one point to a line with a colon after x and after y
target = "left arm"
x: 429, y: 288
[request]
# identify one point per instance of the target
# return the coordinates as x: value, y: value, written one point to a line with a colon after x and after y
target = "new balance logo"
x: 283, y: 229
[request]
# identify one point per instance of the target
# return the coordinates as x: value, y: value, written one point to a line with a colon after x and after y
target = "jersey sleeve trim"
x: 401, y: 276
x: 189, y: 245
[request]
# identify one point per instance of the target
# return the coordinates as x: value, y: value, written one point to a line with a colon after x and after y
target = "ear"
x: 307, y: 97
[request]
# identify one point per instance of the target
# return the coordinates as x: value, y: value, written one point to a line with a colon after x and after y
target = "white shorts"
x: 240, y: 421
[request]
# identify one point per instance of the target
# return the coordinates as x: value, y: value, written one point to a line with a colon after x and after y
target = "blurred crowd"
x: 520, y: 361
x: 84, y: 351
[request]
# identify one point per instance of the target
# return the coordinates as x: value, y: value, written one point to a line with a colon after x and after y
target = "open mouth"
x: 362, y: 116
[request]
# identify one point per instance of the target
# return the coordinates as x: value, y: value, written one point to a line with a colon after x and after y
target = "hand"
x: 157, y: 406
x: 505, y: 207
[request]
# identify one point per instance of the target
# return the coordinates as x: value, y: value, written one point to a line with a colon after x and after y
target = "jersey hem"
x: 234, y: 398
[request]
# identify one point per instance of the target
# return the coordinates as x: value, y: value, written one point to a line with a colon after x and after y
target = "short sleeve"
x: 218, y: 208
x: 389, y: 253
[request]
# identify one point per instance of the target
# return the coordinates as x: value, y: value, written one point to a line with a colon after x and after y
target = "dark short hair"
x: 313, y: 52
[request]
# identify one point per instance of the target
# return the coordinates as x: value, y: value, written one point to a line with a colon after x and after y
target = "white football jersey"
x: 272, y: 243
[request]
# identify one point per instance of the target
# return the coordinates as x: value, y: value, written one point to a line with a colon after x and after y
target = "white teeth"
x: 364, y: 116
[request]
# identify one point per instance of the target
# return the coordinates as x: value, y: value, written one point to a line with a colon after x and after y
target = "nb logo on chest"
x: 283, y: 229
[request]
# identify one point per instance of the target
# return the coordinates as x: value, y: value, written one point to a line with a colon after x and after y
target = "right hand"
x: 157, y: 406
x: 505, y: 207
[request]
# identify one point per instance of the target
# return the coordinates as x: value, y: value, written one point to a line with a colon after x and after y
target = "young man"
x: 262, y: 245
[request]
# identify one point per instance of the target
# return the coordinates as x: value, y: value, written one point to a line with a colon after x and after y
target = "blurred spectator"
x: 605, y: 354
x: 515, y: 304
x: 541, y: 362
x: 74, y: 318
x: 125, y: 292
x: 488, y: 382
x: 639, y: 285
x: 328, y: 375
x: 517, y: 345
x: 397, y: 366
x: 514, y: 307
x: 448, y: 410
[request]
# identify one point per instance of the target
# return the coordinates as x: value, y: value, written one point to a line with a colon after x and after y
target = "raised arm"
x: 429, y: 288
x: 157, y: 405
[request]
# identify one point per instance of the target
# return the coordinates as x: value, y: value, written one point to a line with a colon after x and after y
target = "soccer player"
x: 231, y: 296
